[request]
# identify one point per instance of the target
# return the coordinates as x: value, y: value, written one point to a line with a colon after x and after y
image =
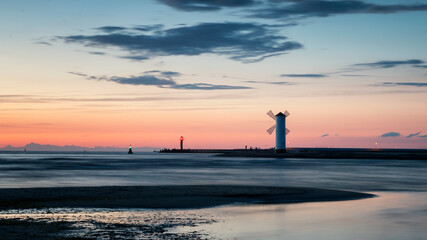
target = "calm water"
x: 71, y: 169
x: 399, y: 211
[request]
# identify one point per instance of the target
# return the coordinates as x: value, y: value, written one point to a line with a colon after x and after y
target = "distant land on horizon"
x: 47, y: 147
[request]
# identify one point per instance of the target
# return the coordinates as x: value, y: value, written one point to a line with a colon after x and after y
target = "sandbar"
x: 165, y: 197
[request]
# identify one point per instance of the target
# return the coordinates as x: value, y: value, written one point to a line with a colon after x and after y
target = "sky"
x: 351, y: 73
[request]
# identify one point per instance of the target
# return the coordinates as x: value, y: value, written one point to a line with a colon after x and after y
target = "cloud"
x: 304, y: 75
x: 161, y: 79
x: 78, y: 74
x: 97, y: 53
x: 325, y: 135
x: 423, y: 136
x: 245, y: 42
x: 142, y: 80
x: 205, y: 5
x: 205, y: 86
x: 136, y: 58
x: 273, y: 83
x: 298, y: 9
x: 119, y: 29
x: 164, y: 73
x: 101, y: 99
x: 390, y: 64
x: 414, y: 84
x: 44, y: 43
x: 148, y: 28
x: 391, y: 134
x: 354, y: 75
x: 413, y: 135
x: 111, y: 29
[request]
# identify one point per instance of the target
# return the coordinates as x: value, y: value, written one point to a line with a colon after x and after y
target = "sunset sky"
x: 351, y: 73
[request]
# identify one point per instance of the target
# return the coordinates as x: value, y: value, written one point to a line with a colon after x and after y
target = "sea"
x: 398, y: 212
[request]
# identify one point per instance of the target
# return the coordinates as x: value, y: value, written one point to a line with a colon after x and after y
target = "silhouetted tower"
x: 181, y: 139
x: 281, y: 130
x: 130, y: 150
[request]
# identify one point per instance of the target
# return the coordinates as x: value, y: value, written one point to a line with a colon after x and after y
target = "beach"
x: 204, y: 196
x: 44, y: 201
x: 165, y: 197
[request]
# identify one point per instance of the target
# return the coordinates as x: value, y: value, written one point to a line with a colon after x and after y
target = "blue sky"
x: 217, y: 58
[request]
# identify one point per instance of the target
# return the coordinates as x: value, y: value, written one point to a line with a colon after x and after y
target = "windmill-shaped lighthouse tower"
x: 281, y: 130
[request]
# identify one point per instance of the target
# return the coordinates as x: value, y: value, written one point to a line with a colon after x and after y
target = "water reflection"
x: 389, y: 216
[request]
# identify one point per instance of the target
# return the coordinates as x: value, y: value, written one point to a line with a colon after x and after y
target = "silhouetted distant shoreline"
x: 36, y: 147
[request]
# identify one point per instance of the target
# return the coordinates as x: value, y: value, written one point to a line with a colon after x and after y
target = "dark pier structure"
x: 331, y: 153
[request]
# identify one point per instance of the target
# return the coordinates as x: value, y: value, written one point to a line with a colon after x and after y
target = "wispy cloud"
x: 294, y: 9
x: 298, y: 9
x: 245, y: 42
x: 304, y: 75
x: 44, y: 43
x: 204, y: 86
x: 423, y: 136
x: 273, y: 83
x: 391, y: 134
x: 206, y: 5
x: 390, y: 64
x: 325, y: 135
x: 111, y: 29
x: 161, y: 79
x: 413, y: 135
x: 43, y: 99
x: 97, y: 53
x: 354, y: 75
x: 147, y: 80
x: 413, y: 84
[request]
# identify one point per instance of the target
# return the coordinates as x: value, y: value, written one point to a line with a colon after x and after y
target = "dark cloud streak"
x: 205, y: 5
x: 298, y: 9
x: 161, y: 79
x: 111, y: 29
x: 245, y: 42
x: 391, y: 134
x: 412, y: 84
x: 391, y: 64
x: 44, y: 43
x: 304, y: 75
x: 273, y: 83
x: 413, y: 135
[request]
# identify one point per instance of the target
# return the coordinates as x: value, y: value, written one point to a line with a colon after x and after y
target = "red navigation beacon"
x: 182, y: 142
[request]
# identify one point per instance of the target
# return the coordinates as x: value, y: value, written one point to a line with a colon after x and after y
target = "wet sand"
x: 69, y: 223
x: 164, y: 197
x: 53, y: 213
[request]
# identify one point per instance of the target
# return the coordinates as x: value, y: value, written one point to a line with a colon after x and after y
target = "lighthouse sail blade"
x: 271, y: 130
x: 287, y: 113
x: 271, y: 114
x: 287, y: 131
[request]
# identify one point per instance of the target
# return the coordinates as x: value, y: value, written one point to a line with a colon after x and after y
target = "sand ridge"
x: 165, y: 197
